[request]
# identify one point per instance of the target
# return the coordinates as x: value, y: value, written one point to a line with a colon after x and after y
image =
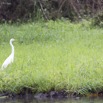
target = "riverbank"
x: 52, y: 56
x: 50, y: 95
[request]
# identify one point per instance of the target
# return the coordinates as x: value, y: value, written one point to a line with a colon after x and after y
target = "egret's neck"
x: 12, y: 48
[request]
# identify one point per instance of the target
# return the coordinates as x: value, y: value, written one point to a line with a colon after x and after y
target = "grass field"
x: 52, y: 56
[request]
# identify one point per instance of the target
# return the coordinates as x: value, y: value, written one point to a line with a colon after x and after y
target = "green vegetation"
x: 98, y: 20
x: 27, y: 10
x: 52, y: 56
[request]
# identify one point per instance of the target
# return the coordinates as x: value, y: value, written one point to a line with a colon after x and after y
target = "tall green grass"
x: 52, y: 56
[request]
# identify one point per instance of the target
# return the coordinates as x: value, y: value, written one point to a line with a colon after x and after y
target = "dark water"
x: 33, y: 100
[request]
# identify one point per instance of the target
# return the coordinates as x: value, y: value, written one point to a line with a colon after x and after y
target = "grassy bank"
x: 52, y: 56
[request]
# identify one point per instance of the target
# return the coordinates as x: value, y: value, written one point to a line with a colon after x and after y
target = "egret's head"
x: 12, y: 39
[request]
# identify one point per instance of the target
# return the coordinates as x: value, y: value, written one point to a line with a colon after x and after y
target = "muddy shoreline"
x: 48, y: 95
x: 42, y: 95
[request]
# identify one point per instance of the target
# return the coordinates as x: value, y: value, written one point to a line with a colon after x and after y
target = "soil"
x: 45, y: 95
x: 48, y: 95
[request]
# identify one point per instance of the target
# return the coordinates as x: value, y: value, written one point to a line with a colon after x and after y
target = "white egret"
x: 10, y: 59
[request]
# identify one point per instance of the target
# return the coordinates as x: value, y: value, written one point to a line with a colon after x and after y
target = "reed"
x: 54, y: 55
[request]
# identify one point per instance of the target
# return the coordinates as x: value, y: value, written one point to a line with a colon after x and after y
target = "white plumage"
x: 10, y: 59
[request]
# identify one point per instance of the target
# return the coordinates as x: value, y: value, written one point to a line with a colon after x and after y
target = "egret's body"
x: 10, y: 59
